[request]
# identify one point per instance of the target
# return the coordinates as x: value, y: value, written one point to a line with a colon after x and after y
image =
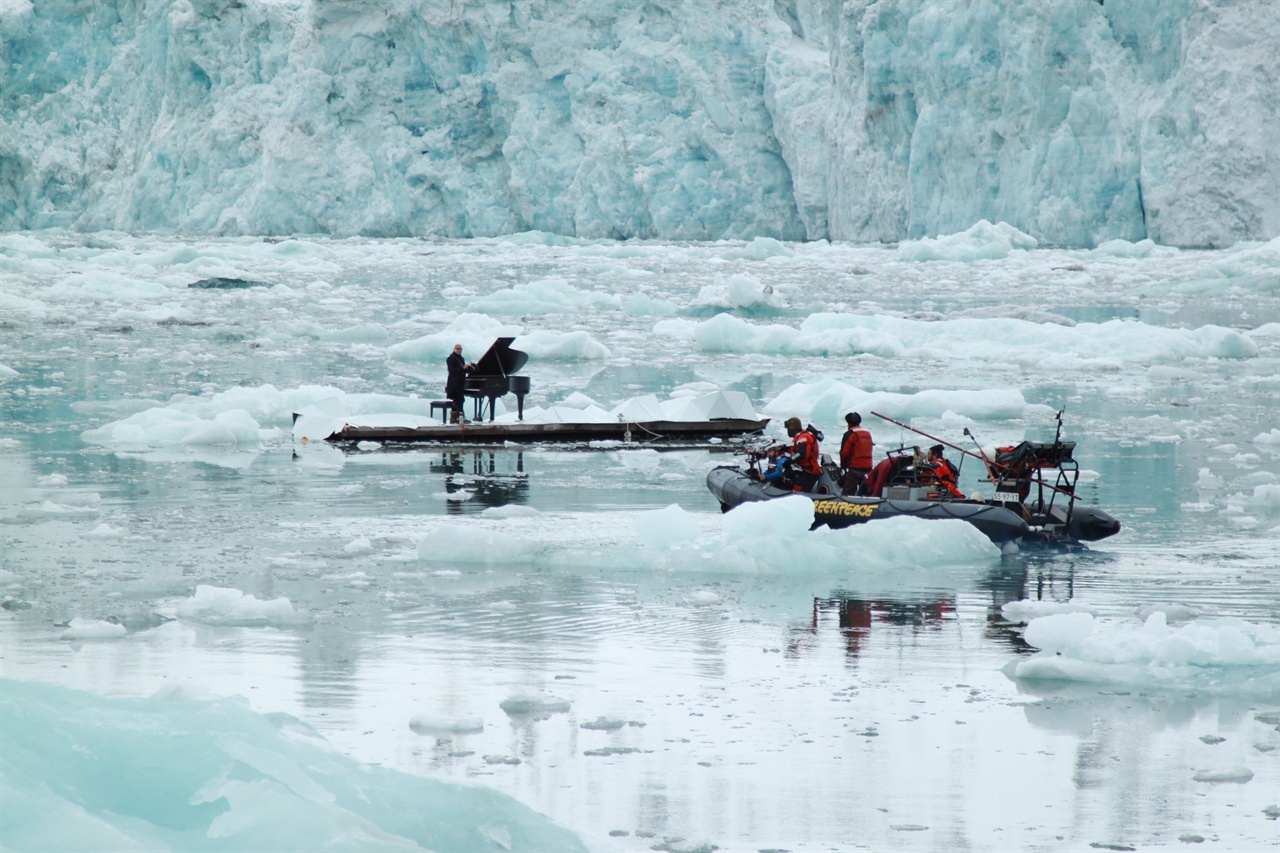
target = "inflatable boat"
x: 1033, y: 500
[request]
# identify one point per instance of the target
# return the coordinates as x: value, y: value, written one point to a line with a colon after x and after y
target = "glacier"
x: 1076, y: 122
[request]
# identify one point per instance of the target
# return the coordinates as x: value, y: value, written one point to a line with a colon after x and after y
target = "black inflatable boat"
x: 1029, y: 506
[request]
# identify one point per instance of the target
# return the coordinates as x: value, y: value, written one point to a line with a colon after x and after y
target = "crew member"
x: 855, y: 455
x: 779, y: 468
x: 943, y: 471
x: 804, y: 455
x: 458, y: 369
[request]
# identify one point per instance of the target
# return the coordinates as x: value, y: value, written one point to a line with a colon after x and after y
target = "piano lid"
x: 500, y: 359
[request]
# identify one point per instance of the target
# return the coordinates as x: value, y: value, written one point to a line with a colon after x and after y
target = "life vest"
x: 855, y: 449
x: 804, y: 452
x: 946, y: 474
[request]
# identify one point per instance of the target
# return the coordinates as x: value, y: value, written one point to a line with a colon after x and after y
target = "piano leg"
x: 520, y: 404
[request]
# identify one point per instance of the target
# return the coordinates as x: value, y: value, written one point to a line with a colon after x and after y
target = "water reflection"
x: 475, y: 480
x: 854, y: 617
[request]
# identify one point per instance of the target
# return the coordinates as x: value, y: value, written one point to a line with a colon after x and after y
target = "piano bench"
x: 444, y: 406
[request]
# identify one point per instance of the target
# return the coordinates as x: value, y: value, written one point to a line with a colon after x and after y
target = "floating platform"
x: 565, y: 433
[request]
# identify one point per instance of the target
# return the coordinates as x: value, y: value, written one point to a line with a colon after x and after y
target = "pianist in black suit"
x: 454, y: 385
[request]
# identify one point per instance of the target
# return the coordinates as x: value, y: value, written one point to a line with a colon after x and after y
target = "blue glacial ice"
x: 1074, y: 122
x: 181, y: 772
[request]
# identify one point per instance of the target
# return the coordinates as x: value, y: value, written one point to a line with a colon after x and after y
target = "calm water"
x: 797, y: 707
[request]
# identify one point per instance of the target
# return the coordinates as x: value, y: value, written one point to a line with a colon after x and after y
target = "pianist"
x: 456, y: 383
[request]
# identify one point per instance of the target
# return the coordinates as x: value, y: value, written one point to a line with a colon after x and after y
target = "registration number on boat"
x: 1006, y: 496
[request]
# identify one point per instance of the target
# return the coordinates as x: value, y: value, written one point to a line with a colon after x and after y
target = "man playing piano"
x: 456, y: 383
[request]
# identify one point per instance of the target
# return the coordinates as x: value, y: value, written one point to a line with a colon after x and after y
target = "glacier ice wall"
x: 865, y: 120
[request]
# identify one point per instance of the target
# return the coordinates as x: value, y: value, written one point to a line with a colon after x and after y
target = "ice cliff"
x: 864, y: 120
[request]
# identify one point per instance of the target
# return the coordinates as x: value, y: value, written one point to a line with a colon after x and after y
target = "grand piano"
x: 492, y: 378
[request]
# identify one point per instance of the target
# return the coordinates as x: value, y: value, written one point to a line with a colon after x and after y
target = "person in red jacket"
x: 945, y: 473
x: 855, y: 455
x: 804, y: 455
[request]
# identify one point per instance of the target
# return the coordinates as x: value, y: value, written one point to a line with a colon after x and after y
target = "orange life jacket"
x: 946, y: 474
x: 855, y: 449
x: 804, y: 452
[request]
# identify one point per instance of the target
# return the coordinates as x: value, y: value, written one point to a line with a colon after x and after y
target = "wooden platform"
x: 500, y: 433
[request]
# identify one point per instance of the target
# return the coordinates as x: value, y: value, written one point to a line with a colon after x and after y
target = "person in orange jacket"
x: 804, y: 455
x: 943, y: 471
x: 855, y: 455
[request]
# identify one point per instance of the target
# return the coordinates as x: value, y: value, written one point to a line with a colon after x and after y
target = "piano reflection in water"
x: 493, y: 377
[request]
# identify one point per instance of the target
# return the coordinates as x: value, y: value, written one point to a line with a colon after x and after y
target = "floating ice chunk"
x: 739, y: 291
x: 786, y: 517
x: 704, y: 598
x: 667, y: 528
x: 982, y: 241
x: 511, y: 511
x: 92, y: 629
x: 1266, y: 496
x: 643, y: 305
x: 106, y: 286
x: 367, y: 333
x: 1238, y: 775
x: 1268, y: 439
x: 1208, y: 481
x: 105, y: 531
x: 1028, y: 609
x: 1218, y: 655
x: 562, y: 346
x: 1018, y: 312
x: 474, y: 331
x: 167, y: 427
x: 525, y: 703
x: 49, y: 511
x: 1126, y: 249
x: 727, y: 333
x: 826, y: 401
x: 1172, y: 612
x: 358, y: 546
x: 676, y: 330
x: 235, y: 427
x: 229, y: 778
x: 604, y: 724
x: 213, y: 605
x: 7, y: 373
x: 546, y: 296
x: 435, y: 724
x: 52, y: 480
x: 1059, y: 632
x: 761, y: 249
